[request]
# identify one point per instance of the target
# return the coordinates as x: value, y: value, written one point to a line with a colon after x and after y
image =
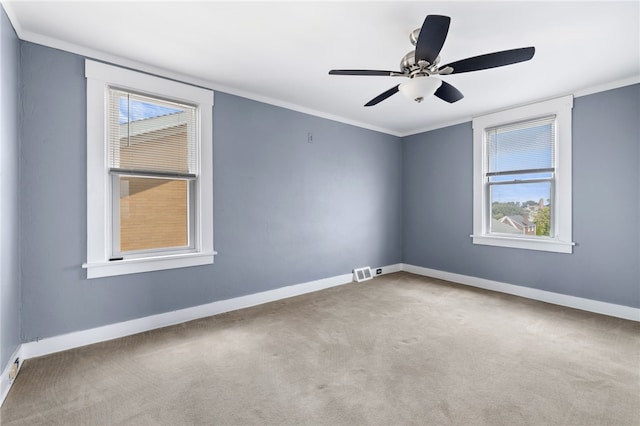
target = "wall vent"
x: 362, y: 274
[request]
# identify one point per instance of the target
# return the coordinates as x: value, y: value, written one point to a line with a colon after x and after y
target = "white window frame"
x: 561, y: 241
x: 99, y: 198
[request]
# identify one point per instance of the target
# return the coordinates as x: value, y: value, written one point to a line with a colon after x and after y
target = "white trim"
x: 89, y: 53
x: 127, y: 328
x: 118, y: 60
x: 162, y: 72
x: 148, y: 83
x: 304, y: 110
x: 604, y: 308
x: 99, y: 77
x: 147, y: 264
x: 540, y: 244
x: 436, y: 126
x: 397, y: 267
x: 5, y: 383
x: 607, y: 86
x: 576, y: 94
x: 8, y: 8
x: 561, y: 242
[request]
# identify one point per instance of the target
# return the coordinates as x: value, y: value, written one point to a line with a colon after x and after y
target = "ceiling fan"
x: 421, y: 64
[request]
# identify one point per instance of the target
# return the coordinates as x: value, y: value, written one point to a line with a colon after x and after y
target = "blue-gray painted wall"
x: 438, y: 213
x: 9, y: 176
x: 285, y: 211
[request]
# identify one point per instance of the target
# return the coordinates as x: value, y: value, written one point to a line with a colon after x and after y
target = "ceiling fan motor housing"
x: 409, y: 66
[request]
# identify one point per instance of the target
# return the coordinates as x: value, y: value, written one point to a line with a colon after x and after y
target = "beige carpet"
x: 397, y: 350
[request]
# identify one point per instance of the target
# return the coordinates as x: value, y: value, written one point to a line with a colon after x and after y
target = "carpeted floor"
x: 397, y: 350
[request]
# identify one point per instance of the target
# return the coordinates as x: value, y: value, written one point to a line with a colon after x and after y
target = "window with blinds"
x: 522, y: 177
x: 149, y: 172
x: 519, y: 174
x: 152, y: 155
x: 151, y: 135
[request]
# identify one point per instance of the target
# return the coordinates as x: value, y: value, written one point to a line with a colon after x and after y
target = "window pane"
x: 153, y: 213
x: 521, y: 209
x: 148, y: 134
x: 521, y: 146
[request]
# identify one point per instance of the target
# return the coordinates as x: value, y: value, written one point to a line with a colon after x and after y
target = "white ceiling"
x: 280, y: 52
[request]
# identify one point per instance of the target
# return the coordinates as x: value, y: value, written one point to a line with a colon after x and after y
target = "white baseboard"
x: 388, y: 269
x: 126, y: 328
x: 113, y: 331
x: 604, y: 308
x: 5, y: 382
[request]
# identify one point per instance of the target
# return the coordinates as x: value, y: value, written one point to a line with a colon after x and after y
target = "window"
x: 149, y: 173
x: 522, y: 177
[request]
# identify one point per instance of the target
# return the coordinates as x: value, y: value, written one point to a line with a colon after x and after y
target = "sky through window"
x: 131, y: 110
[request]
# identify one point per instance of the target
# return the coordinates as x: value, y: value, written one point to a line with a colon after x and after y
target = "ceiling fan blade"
x: 382, y: 96
x: 448, y: 93
x: 432, y: 36
x: 491, y: 60
x: 364, y: 72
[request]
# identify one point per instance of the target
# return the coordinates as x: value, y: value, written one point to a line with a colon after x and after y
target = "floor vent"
x: 362, y: 274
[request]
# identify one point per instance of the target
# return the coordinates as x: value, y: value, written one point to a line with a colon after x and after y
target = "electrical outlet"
x: 309, y: 137
x: 378, y: 271
x: 13, y: 372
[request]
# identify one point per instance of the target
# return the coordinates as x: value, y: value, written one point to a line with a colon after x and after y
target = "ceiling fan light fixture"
x: 418, y: 88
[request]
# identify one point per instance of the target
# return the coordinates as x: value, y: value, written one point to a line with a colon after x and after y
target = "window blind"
x: 151, y: 136
x: 521, y: 147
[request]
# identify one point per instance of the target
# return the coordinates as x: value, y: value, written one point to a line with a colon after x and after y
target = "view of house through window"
x: 520, y: 177
x: 153, y: 213
x: 152, y: 162
x: 149, y: 173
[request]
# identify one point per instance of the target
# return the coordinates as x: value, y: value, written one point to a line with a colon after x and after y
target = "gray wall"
x: 285, y: 211
x: 9, y: 206
x: 437, y: 207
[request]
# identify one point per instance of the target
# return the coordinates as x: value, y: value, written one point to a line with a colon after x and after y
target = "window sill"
x: 147, y: 264
x: 551, y: 245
